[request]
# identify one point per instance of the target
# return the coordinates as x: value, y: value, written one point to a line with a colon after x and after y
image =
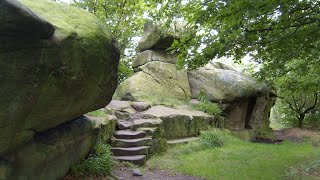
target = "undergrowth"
x: 212, y: 138
x: 207, y: 106
x: 98, y: 164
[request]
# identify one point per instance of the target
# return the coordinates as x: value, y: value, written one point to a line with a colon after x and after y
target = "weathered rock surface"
x: 52, y: 152
x: 156, y: 82
x: 156, y: 38
x: 56, y: 62
x: 245, y: 103
x: 17, y: 21
x: 141, y: 106
x: 154, y: 55
x: 259, y: 119
x: 223, y: 84
x: 180, y: 123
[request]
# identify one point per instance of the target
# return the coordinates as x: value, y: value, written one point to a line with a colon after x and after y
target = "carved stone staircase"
x: 133, y: 139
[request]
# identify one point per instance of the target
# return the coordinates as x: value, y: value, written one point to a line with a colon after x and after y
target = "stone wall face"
x: 57, y: 63
x: 51, y: 153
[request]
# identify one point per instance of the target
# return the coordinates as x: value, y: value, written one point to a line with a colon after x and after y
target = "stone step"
x: 138, y: 123
x: 149, y: 131
x: 147, y: 141
x: 182, y: 141
x: 123, y: 125
x: 128, y: 134
x: 136, y: 160
x: 130, y: 151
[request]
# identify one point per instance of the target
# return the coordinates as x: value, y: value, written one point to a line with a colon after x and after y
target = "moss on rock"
x: 52, y: 80
x: 156, y: 82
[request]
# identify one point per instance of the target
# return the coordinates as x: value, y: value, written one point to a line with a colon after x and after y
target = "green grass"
x: 97, y: 113
x: 237, y: 159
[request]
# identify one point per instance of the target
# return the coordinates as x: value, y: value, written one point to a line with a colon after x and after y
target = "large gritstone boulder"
x: 56, y: 62
x: 156, y: 82
x: 246, y: 103
x: 51, y: 153
x: 222, y: 83
x: 155, y: 37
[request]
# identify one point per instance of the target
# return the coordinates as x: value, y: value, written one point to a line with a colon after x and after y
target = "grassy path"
x: 237, y: 159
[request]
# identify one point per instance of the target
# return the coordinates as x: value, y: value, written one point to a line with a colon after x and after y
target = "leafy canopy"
x: 273, y: 32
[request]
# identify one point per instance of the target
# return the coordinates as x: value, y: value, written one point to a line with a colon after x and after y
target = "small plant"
x: 207, y: 106
x: 98, y: 164
x: 97, y: 113
x: 212, y: 138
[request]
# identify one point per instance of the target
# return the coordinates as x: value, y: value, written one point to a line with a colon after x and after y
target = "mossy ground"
x: 238, y: 159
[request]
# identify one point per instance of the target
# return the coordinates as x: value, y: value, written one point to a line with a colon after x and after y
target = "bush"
x: 207, y: 106
x: 212, y: 139
x: 98, y: 164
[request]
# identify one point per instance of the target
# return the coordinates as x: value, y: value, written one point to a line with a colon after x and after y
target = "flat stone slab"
x: 129, y: 151
x: 128, y: 134
x: 148, y: 130
x: 123, y: 125
x: 118, y: 105
x: 182, y: 141
x: 132, y: 142
x: 162, y: 111
x: 141, y: 106
x: 146, y: 123
x: 136, y: 160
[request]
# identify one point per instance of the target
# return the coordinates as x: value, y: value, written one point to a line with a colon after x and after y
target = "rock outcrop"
x: 157, y: 78
x: 145, y: 132
x: 57, y: 63
x: 246, y: 103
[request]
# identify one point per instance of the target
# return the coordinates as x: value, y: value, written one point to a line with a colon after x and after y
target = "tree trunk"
x: 301, y: 118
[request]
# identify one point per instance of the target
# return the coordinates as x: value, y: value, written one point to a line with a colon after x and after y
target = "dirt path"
x: 295, y: 134
x: 125, y: 173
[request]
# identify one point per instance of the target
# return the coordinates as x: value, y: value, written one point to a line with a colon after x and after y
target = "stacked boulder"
x: 245, y: 103
x: 57, y: 63
x: 157, y: 78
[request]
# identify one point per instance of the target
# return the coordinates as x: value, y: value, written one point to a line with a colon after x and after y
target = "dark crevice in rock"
x: 251, y: 104
x: 184, y: 92
x: 151, y: 76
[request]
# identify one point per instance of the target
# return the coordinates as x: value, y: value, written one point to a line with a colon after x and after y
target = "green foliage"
x: 98, y: 113
x: 207, y: 106
x: 299, y: 93
x: 98, y: 164
x: 124, y: 70
x: 258, y: 28
x: 212, y: 138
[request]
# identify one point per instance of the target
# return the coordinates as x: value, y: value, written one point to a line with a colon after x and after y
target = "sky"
x: 66, y: 1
